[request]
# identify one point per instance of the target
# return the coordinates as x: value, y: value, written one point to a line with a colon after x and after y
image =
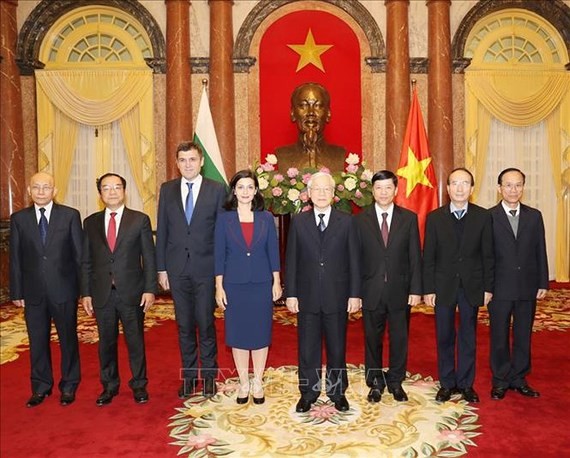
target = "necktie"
x: 322, y: 226
x: 384, y: 228
x: 43, y: 225
x: 514, y: 222
x: 459, y: 213
x: 112, y: 232
x: 189, y: 203
x: 513, y: 213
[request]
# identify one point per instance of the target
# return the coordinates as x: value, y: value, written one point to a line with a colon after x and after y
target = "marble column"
x: 440, y: 106
x: 178, y: 84
x: 222, y: 80
x: 12, y: 181
x: 397, y: 79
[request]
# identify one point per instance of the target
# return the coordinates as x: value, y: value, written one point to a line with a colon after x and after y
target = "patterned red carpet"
x: 167, y: 426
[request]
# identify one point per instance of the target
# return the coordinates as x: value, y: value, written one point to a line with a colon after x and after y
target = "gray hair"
x: 318, y: 175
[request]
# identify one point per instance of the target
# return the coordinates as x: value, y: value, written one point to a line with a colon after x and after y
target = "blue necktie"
x: 459, y: 213
x: 322, y: 225
x: 189, y: 203
x: 43, y: 225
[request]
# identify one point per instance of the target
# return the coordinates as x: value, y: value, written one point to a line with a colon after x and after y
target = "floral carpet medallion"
x: 420, y: 427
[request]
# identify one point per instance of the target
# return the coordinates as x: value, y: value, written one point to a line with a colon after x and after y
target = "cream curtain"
x: 67, y: 98
x: 523, y: 98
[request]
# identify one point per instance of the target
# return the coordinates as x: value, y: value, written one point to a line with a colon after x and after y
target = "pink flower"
x: 454, y: 436
x: 200, y: 441
x: 276, y: 192
x: 336, y: 199
x: 278, y: 177
x: 267, y: 167
x: 293, y: 182
x: 304, y: 197
x: 352, y: 168
x: 306, y: 177
x: 325, y: 170
x: 358, y: 194
x: 363, y: 184
x: 292, y: 172
x: 306, y: 208
x: 323, y: 411
x: 340, y: 188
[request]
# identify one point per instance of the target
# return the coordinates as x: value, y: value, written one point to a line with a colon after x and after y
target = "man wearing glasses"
x: 322, y: 284
x: 118, y: 282
x: 45, y: 256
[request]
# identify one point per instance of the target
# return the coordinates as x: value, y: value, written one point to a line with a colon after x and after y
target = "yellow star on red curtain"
x: 310, y: 52
x: 415, y: 172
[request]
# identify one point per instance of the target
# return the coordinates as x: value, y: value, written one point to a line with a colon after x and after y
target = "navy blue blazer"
x: 239, y: 263
x: 176, y: 241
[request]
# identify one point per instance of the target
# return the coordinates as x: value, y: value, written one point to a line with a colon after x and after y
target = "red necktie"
x: 112, y: 232
x: 384, y: 228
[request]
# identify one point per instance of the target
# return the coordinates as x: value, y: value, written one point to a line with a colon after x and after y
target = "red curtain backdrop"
x: 278, y: 77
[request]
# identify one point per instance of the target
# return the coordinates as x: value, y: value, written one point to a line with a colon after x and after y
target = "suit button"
x: 249, y: 254
x: 112, y: 260
x: 518, y: 267
x: 322, y: 264
x: 44, y: 258
x: 460, y: 259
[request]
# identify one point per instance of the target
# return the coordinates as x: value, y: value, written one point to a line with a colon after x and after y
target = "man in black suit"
x: 391, y: 276
x: 322, y: 284
x: 458, y: 272
x: 521, y: 277
x: 118, y: 282
x: 45, y: 256
x: 187, y: 211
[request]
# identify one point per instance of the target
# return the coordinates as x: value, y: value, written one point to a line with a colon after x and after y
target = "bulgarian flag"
x: 205, y: 136
x: 417, y: 186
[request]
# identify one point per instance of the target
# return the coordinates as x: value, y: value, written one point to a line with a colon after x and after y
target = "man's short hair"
x: 99, y: 180
x: 463, y: 169
x: 385, y: 175
x: 188, y: 146
x: 507, y: 170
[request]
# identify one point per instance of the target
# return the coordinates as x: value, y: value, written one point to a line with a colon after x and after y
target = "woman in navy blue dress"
x: 247, y: 279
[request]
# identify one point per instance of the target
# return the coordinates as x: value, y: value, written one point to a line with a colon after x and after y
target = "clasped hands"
x: 354, y: 304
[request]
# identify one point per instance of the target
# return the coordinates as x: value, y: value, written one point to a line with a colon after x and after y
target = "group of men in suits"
x: 335, y: 265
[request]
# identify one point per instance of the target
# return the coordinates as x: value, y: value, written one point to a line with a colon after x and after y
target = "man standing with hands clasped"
x: 322, y: 284
x: 391, y: 283
x: 521, y: 277
x: 118, y: 283
x: 458, y: 272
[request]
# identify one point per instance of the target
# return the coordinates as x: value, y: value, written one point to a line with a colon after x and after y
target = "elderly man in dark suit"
x: 45, y: 256
x: 322, y: 284
x: 187, y: 211
x: 118, y: 282
x: 458, y: 272
x: 391, y: 275
x: 521, y: 277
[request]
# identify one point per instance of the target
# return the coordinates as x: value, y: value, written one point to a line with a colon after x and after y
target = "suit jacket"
x: 132, y: 266
x: 176, y: 240
x: 239, y: 263
x: 38, y: 271
x: 399, y: 262
x: 521, y: 266
x: 322, y: 270
x: 449, y: 262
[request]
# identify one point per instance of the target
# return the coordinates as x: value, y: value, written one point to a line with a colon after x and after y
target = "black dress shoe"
x: 260, y: 400
x: 374, y: 395
x: 209, y: 389
x: 444, y: 394
x: 187, y: 389
x: 304, y: 405
x: 498, y: 392
x: 341, y: 404
x: 399, y: 394
x: 140, y: 395
x: 470, y: 395
x: 106, y: 397
x: 67, y: 398
x: 37, y: 399
x: 527, y: 391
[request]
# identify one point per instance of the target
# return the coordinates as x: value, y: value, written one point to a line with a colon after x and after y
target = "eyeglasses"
x: 511, y: 186
x: 46, y: 188
x: 117, y: 187
x: 326, y: 189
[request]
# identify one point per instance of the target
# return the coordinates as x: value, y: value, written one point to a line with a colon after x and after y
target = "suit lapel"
x: 310, y: 226
x: 372, y: 221
x: 234, y: 227
x: 395, y: 225
x: 523, y: 220
x: 123, y: 226
x: 34, y: 227
x: 54, y: 221
x: 502, y: 218
x: 258, y: 228
x: 178, y: 197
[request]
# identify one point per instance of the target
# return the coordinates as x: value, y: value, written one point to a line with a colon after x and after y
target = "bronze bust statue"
x: 310, y: 109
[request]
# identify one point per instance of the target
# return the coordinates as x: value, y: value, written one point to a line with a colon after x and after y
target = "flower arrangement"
x: 286, y: 191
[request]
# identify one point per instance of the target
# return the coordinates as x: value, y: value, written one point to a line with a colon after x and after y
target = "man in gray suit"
x: 521, y: 277
x: 187, y: 211
x: 45, y: 256
x: 118, y: 282
x: 322, y: 284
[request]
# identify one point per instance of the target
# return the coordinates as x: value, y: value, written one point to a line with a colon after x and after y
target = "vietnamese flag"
x: 310, y: 46
x: 417, y: 187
